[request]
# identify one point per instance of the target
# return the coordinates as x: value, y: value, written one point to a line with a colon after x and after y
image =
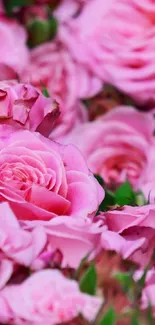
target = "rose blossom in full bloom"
x: 117, y: 146
x: 73, y: 237
x: 117, y: 39
x: 24, y: 106
x: 131, y: 232
x: 67, y: 82
x: 52, y: 65
x: 14, y: 53
x: 17, y: 246
x: 42, y: 179
x: 68, y: 9
x: 46, y: 297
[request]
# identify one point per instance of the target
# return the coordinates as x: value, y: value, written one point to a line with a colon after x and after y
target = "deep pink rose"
x: 117, y: 40
x: 17, y: 246
x: 14, y: 54
x: 131, y: 232
x: 24, y: 106
x: 117, y: 146
x: 46, y: 297
x: 42, y: 179
x: 74, y: 238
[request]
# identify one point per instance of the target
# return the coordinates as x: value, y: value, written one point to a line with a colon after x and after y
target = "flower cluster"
x: 77, y: 162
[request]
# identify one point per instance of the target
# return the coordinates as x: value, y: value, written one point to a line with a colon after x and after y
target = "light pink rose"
x: 46, y: 297
x: 24, y: 106
x: 14, y: 54
x: 66, y: 81
x: 17, y: 246
x: 117, y: 146
x: 52, y: 65
x: 74, y: 238
x: 117, y: 40
x: 147, y: 298
x: 68, y: 120
x: 42, y: 179
x: 68, y: 9
x: 131, y: 232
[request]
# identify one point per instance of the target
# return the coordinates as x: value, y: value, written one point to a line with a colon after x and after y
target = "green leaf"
x: 41, y: 31
x: 88, y: 281
x: 134, y: 320
x: 109, y: 200
x: 53, y: 27
x: 140, y: 199
x: 45, y: 92
x: 150, y: 317
x: 99, y: 179
x: 125, y: 279
x: 9, y: 5
x: 141, y: 281
x: 125, y: 195
x: 83, y: 261
x: 109, y: 317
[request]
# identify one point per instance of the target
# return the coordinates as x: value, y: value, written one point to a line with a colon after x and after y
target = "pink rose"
x: 14, y: 54
x: 117, y: 40
x: 24, y: 106
x: 46, y: 297
x: 17, y: 246
x: 148, y: 292
x: 68, y: 9
x: 52, y: 66
x: 131, y: 232
x: 74, y: 238
x: 67, y: 121
x: 117, y: 146
x: 42, y: 179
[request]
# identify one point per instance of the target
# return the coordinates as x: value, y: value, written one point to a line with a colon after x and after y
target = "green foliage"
x: 88, y: 281
x: 9, y: 5
x: 135, y: 320
x: 45, y: 92
x: 125, y: 195
x: 150, y: 317
x: 41, y: 31
x: 109, y: 200
x: 81, y: 265
x: 99, y: 179
x: 109, y: 317
x: 125, y: 279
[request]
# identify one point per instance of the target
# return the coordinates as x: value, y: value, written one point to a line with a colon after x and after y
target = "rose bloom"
x: 131, y: 232
x: 117, y: 40
x: 24, y: 106
x: 52, y: 65
x: 117, y: 146
x: 14, y: 54
x: 148, y: 291
x: 46, y: 297
x: 42, y: 179
x: 17, y: 246
x: 67, y: 121
x: 73, y: 237
x: 68, y: 9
